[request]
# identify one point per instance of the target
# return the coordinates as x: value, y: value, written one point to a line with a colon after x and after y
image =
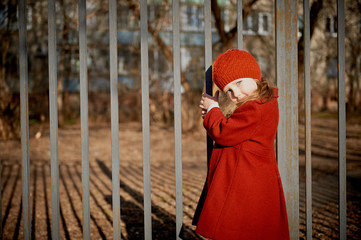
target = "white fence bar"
x: 307, y: 94
x: 341, y: 117
x: 53, y: 111
x: 287, y: 136
x: 84, y: 117
x: 208, y: 61
x: 113, y: 54
x: 177, y: 118
x: 239, y: 24
x: 24, y: 111
x: 145, y: 119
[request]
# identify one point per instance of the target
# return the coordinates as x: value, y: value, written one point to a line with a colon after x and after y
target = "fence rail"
x: 287, y: 137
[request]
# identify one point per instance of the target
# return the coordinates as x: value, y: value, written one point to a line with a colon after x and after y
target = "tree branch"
x: 315, y: 10
x: 227, y: 38
x: 162, y: 45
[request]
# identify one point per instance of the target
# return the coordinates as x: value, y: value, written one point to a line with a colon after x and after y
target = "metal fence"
x: 287, y: 137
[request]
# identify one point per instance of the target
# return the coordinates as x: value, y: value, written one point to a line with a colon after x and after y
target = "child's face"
x: 240, y: 88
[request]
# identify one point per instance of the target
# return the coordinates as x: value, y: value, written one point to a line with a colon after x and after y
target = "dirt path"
x: 325, y: 198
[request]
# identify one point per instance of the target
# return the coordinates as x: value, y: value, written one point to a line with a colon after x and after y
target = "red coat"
x: 243, y: 195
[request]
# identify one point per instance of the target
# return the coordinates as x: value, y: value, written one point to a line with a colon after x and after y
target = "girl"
x: 243, y: 196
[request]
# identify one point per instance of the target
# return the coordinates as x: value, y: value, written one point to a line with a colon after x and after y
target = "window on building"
x: 331, y: 71
x: 264, y: 23
x: 3, y: 16
x: 154, y: 12
x: 257, y: 23
x: 225, y: 18
x: 331, y: 25
x: 9, y: 16
x: 193, y: 17
x: 300, y: 26
x: 127, y: 19
x: 250, y: 25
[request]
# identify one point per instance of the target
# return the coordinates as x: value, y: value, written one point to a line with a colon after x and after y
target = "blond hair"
x: 264, y: 93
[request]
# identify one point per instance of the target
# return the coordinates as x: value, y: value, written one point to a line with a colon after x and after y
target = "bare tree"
x: 9, y: 102
x: 227, y: 38
x: 353, y: 49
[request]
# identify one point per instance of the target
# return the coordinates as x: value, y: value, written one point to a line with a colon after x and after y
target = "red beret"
x: 234, y: 64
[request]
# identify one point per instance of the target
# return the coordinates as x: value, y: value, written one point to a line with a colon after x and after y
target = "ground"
x: 324, y: 181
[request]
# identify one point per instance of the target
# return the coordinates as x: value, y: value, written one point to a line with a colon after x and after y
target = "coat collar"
x: 275, y: 92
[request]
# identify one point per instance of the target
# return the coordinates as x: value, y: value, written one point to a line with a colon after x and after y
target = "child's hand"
x: 207, y: 101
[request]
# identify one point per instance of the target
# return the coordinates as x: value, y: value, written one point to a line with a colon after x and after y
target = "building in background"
x: 258, y: 35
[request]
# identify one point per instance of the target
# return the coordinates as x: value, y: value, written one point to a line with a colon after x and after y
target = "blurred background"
x: 259, y: 39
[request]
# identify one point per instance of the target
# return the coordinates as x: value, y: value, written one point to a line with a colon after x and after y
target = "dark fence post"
x: 341, y: 117
x: 24, y: 110
x: 53, y: 110
x: 208, y: 61
x: 307, y: 94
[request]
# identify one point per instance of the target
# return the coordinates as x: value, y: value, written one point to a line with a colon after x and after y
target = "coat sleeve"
x: 236, y: 129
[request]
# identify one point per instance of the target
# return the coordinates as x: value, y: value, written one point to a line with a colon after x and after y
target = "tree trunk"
x: 316, y: 8
x: 163, y: 47
x: 226, y: 38
x: 9, y: 101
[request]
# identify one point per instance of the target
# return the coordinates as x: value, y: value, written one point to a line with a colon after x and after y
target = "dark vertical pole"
x: 24, y: 111
x: 53, y: 110
x: 287, y: 82
x: 341, y: 117
x: 84, y: 118
x: 208, y: 61
x: 306, y: 37
x: 114, y: 116
x: 1, y: 213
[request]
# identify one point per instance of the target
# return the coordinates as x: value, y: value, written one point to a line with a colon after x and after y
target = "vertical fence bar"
x: 239, y: 24
x: 1, y: 212
x: 177, y: 119
x: 208, y: 61
x: 341, y: 117
x: 145, y: 119
x: 24, y: 110
x: 114, y: 116
x: 84, y: 117
x: 53, y: 111
x: 306, y: 37
x: 287, y: 137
